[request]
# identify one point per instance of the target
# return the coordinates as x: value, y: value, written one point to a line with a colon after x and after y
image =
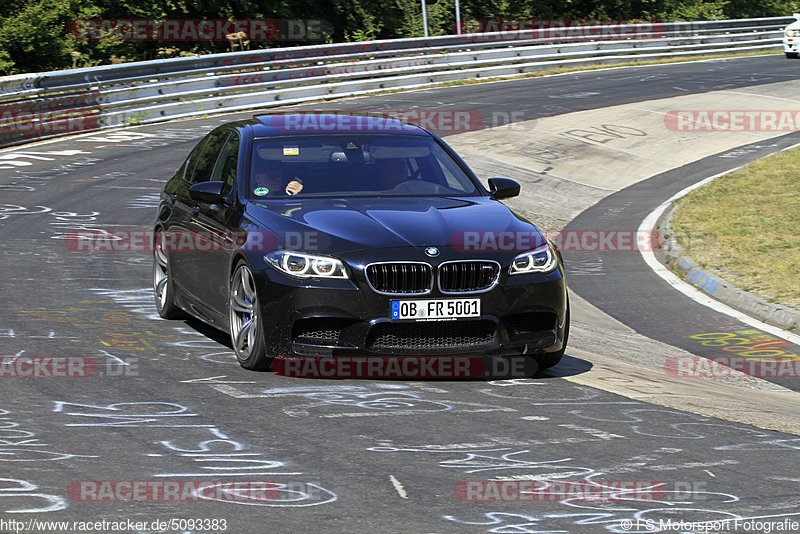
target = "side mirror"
x: 503, y: 188
x: 207, y: 192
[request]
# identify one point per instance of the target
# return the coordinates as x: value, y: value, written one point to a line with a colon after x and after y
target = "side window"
x: 191, y: 162
x: 208, y: 158
x: 228, y: 161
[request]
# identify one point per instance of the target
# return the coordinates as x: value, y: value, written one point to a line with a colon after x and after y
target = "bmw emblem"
x: 432, y: 251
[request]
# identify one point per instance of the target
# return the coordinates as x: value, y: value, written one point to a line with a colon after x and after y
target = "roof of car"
x: 315, y: 123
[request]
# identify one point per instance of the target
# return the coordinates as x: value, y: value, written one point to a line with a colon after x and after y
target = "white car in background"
x: 791, y: 38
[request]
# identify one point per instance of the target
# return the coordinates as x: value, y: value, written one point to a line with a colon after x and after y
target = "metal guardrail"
x: 35, y: 106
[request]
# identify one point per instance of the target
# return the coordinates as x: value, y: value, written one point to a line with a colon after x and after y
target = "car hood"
x: 345, y: 224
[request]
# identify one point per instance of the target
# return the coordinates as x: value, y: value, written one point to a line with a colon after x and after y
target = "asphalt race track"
x: 604, y: 442
x: 626, y: 288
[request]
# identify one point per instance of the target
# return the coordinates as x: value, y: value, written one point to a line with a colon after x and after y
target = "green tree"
x: 33, y: 35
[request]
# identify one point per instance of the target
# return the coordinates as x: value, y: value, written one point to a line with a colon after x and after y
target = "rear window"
x: 355, y: 165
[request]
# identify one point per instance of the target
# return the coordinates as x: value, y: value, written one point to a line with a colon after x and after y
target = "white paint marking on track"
x: 648, y: 225
x: 577, y: 182
x: 602, y: 434
x: 216, y: 380
x: 398, y: 487
x: 401, y: 412
x: 235, y: 392
x: 179, y: 475
x: 369, y: 414
x: 782, y: 99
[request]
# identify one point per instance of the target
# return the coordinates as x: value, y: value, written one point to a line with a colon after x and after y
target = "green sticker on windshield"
x: 261, y: 191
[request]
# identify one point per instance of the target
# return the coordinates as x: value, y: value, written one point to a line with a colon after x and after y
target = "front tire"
x: 163, y: 288
x: 247, y: 334
x: 791, y: 55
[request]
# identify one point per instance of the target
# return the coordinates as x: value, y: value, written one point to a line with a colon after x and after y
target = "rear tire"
x: 247, y: 333
x: 550, y: 359
x: 162, y: 280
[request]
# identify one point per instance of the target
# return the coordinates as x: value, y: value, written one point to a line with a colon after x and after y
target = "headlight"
x: 540, y: 260
x: 302, y: 265
x: 792, y: 33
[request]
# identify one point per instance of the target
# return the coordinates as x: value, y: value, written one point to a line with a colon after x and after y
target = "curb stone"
x: 674, y: 256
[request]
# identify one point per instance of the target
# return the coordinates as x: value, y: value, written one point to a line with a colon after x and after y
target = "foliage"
x: 34, y: 33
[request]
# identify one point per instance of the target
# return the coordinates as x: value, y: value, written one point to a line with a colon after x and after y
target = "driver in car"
x: 272, y: 179
x: 392, y: 172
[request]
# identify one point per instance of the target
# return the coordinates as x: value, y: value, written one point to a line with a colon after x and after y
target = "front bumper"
x: 522, y: 314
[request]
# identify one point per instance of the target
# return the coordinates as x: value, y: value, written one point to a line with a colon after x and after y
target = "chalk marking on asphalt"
x: 649, y: 223
x: 235, y: 392
x: 727, y: 401
x: 602, y: 434
x: 546, y: 172
x: 398, y: 412
x: 576, y: 181
x: 398, y: 487
x: 669, y: 467
x: 216, y: 380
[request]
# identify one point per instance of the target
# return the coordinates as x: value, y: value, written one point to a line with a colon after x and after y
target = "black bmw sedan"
x: 321, y: 234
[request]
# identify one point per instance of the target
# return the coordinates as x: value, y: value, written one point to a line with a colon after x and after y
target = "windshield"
x: 355, y: 165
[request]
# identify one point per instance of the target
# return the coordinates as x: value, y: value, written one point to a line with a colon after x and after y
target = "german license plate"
x: 436, y: 309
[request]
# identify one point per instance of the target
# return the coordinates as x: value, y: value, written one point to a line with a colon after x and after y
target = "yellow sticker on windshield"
x: 291, y: 151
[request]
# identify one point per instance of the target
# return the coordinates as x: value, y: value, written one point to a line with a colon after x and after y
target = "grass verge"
x: 745, y: 226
